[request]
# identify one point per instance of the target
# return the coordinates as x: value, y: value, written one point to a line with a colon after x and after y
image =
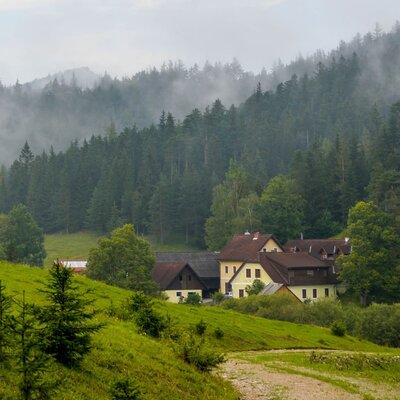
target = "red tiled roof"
x: 244, y: 247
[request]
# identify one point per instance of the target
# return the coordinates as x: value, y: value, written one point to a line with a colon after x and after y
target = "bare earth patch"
x: 255, y: 382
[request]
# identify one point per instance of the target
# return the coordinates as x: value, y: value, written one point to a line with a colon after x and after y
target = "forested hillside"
x: 334, y: 132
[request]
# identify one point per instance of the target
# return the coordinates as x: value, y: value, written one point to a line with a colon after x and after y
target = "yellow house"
x: 305, y: 276
x: 242, y: 249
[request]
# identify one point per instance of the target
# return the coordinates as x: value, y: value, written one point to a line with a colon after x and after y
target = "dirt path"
x: 256, y: 382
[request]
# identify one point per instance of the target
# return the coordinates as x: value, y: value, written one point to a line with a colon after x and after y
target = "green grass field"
x: 78, y: 245
x: 118, y: 350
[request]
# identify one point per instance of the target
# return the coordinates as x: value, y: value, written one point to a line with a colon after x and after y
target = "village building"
x: 177, y: 280
x: 77, y: 265
x: 242, y: 249
x: 203, y: 263
x: 308, y: 275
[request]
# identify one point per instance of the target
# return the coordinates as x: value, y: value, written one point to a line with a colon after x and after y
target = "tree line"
x: 331, y: 145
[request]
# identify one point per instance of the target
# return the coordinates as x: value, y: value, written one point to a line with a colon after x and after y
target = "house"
x: 203, y: 263
x: 272, y: 288
x: 242, y: 249
x: 177, y: 280
x: 78, y: 265
x: 305, y: 276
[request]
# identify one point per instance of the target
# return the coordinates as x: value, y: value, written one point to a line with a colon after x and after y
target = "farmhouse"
x: 244, y: 248
x: 307, y: 275
x: 177, y: 280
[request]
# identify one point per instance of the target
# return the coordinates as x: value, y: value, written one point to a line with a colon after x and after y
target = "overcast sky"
x: 38, y: 37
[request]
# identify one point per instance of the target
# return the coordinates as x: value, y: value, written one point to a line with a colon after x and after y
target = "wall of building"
x: 271, y: 245
x: 242, y: 281
x: 298, y: 291
x: 225, y: 277
x: 174, y: 296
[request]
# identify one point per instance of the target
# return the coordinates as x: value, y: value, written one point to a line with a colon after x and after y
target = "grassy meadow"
x: 78, y: 245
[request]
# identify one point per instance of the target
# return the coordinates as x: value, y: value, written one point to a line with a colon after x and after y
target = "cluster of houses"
x: 305, y: 269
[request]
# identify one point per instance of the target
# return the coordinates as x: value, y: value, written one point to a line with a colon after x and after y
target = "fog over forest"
x: 58, y: 109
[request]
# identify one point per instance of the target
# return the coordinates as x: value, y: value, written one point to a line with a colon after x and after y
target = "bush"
x: 255, y: 287
x: 139, y: 301
x: 338, y: 328
x: 201, y: 327
x: 380, y: 323
x: 218, y: 333
x: 150, y: 322
x: 217, y: 297
x: 124, y: 390
x: 194, y: 351
x: 193, y: 299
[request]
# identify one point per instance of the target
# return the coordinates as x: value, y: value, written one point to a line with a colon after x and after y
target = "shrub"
x: 338, y: 328
x: 139, y: 301
x: 218, y: 333
x: 195, y: 351
x: 217, y: 297
x: 124, y: 389
x: 193, y: 299
x: 150, y: 322
x: 255, y: 287
x: 201, y: 327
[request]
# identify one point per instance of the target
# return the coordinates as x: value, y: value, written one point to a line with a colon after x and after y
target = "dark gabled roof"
x: 165, y: 273
x: 277, y: 265
x: 245, y: 247
x: 204, y: 263
x: 315, y: 246
x: 295, y: 260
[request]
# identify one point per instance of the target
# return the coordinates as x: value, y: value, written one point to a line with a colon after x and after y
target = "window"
x: 304, y: 293
x: 228, y: 288
x: 310, y: 272
x: 178, y: 294
x: 326, y: 292
x: 241, y: 293
x: 180, y: 277
x: 234, y: 269
x: 248, y: 273
x: 226, y: 269
x: 258, y: 273
x: 190, y: 277
x: 314, y: 293
x: 291, y: 274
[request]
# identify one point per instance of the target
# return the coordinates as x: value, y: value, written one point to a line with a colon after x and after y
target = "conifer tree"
x: 5, y: 303
x: 67, y: 327
x: 31, y: 362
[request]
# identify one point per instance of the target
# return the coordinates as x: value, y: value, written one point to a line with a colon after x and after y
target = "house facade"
x: 177, y: 280
x: 309, y: 276
x: 242, y: 249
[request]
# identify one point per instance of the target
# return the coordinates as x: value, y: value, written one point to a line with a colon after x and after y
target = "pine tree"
x: 31, y: 362
x: 67, y: 328
x: 5, y: 304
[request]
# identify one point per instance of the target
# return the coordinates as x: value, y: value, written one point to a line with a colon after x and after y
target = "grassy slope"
x: 77, y: 245
x: 119, y: 350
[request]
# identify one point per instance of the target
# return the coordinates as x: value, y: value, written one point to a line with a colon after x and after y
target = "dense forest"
x: 332, y: 130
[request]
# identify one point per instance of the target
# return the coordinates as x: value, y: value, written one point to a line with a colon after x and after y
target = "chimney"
x: 256, y: 234
x: 301, y: 236
x: 346, y: 240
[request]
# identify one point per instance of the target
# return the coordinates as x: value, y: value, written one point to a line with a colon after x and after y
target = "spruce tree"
x: 5, y: 303
x: 67, y: 327
x: 31, y: 362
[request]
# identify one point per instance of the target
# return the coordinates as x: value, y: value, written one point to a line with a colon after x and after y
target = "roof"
x: 271, y: 288
x: 165, y: 273
x: 314, y: 246
x: 204, y: 263
x: 277, y: 265
x: 244, y: 247
x: 77, y: 264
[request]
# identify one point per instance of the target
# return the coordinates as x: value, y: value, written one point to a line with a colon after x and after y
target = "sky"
x: 122, y: 37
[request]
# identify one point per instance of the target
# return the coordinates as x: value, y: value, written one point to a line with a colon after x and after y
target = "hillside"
x: 118, y: 350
